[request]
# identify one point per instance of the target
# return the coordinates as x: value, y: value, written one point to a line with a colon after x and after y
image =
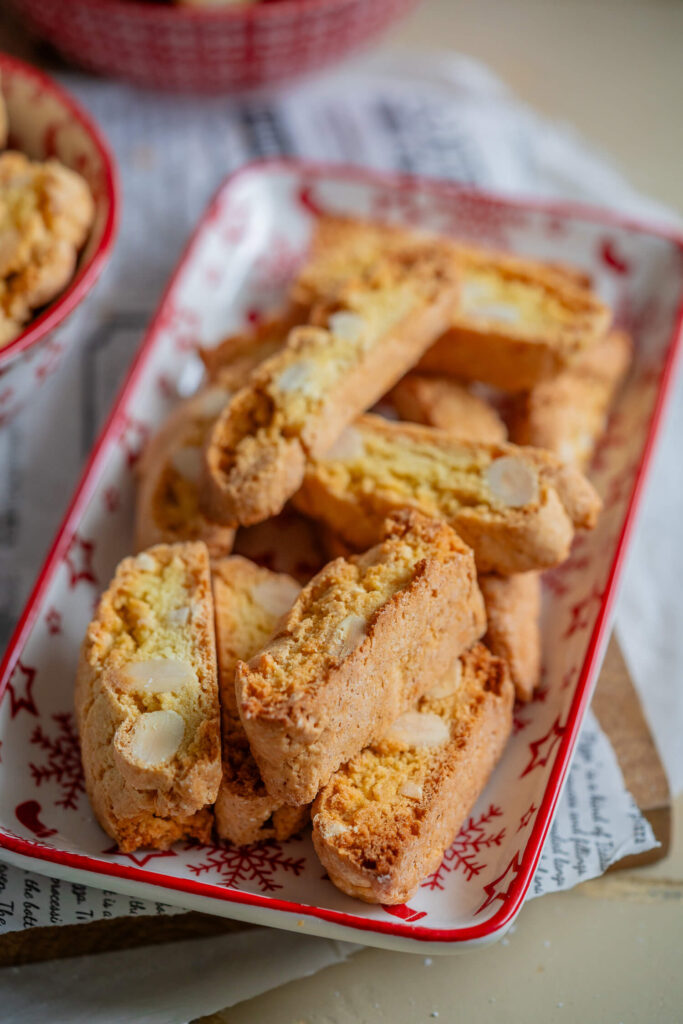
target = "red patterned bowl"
x: 44, y: 122
x: 207, y: 49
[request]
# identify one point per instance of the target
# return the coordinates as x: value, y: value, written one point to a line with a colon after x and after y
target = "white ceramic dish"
x: 237, y: 264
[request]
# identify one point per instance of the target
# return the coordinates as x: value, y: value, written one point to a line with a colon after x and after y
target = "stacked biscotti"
x: 357, y: 663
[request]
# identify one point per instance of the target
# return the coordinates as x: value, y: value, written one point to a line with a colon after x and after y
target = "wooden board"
x: 618, y: 709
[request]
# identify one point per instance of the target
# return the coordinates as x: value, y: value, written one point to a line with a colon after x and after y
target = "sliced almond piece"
x: 513, y: 481
x: 411, y: 789
x: 346, y: 325
x: 350, y: 632
x: 447, y: 685
x: 160, y: 675
x: 276, y: 595
x: 332, y: 828
x: 155, y: 737
x: 179, y: 616
x: 146, y: 562
x: 416, y: 729
x: 188, y: 462
x: 297, y: 377
x: 213, y: 401
x: 347, y: 447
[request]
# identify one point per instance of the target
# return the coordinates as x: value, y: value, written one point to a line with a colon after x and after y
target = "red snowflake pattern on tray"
x: 465, y: 852
x: 63, y: 765
x: 257, y: 862
x: 78, y: 561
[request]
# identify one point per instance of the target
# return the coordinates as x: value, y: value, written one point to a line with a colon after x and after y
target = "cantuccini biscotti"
x: 568, y: 414
x: 147, y: 700
x: 167, y: 506
x: 249, y: 603
x: 230, y: 362
x: 449, y: 405
x: 362, y: 338
x: 516, y: 507
x: 361, y: 643
x: 384, y: 820
x: 513, y: 611
x: 289, y: 543
x: 46, y: 212
x: 518, y: 321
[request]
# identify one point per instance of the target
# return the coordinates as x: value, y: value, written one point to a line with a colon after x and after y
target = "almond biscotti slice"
x: 358, y: 647
x: 230, y: 363
x: 147, y: 700
x: 384, y: 820
x: 249, y: 603
x: 167, y: 507
x: 568, y: 414
x: 513, y: 613
x: 517, y: 508
x: 449, y: 405
x: 46, y: 212
x: 367, y: 333
x: 518, y: 322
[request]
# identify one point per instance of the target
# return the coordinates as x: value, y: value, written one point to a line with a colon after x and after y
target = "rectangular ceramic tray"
x: 238, y: 264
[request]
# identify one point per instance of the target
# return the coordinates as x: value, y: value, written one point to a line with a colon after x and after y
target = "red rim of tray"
x: 519, y: 887
x: 87, y: 274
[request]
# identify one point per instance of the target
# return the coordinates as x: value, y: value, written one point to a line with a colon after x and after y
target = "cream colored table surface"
x: 611, y: 950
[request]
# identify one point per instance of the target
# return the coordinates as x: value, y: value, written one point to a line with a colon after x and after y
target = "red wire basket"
x: 207, y: 49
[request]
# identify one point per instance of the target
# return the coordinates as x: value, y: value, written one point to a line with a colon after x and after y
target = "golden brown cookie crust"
x: 513, y: 610
x: 46, y: 213
x: 377, y: 467
x: 448, y: 405
x: 249, y: 602
x: 363, y: 336
x: 568, y: 414
x: 383, y: 821
x: 359, y: 645
x: 518, y: 321
x: 147, y: 700
x: 167, y: 507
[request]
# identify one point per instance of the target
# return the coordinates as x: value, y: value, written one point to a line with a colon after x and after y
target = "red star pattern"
x: 526, y: 817
x: 133, y: 439
x: 53, y: 354
x: 141, y: 858
x: 111, y: 499
x: 496, y: 890
x: 53, y: 621
x: 580, y: 617
x: 621, y: 485
x: 79, y: 561
x: 611, y: 258
x: 165, y: 385
x: 542, y: 748
x: 569, y: 677
x: 20, y: 689
x: 519, y: 722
